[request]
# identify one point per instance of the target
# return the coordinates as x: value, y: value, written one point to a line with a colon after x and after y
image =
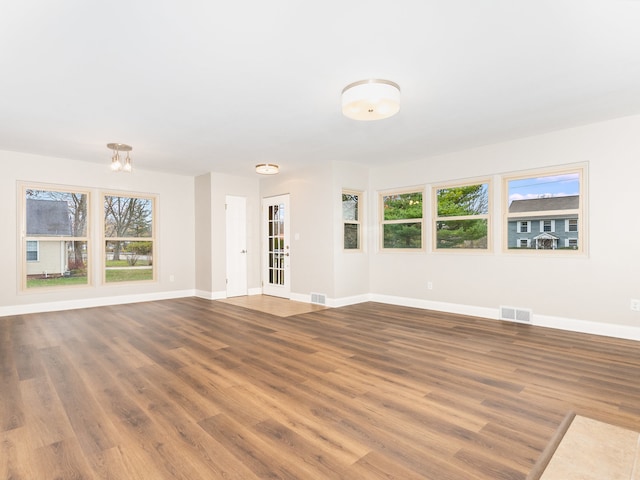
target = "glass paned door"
x: 276, y: 251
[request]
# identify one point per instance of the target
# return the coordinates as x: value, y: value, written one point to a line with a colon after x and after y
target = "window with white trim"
x: 351, y: 223
x: 55, y: 239
x: 524, y: 243
x: 461, y: 216
x: 541, y: 199
x: 547, y: 225
x: 401, y: 224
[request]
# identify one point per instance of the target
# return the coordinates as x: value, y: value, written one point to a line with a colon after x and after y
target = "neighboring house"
x: 47, y: 218
x: 548, y: 227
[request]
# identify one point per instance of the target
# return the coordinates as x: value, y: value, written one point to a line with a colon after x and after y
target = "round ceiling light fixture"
x: 267, y: 168
x: 371, y: 99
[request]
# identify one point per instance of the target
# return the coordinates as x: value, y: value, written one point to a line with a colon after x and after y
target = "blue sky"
x: 547, y: 186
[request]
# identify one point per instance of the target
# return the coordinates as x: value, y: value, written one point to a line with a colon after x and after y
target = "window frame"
x: 358, y: 221
x: 581, y: 169
x: 23, y: 237
x: 382, y: 222
x: 152, y: 238
x: 485, y: 216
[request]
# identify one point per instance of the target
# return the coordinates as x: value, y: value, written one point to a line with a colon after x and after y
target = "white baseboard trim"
x: 560, y: 323
x: 570, y: 324
x: 211, y: 295
x: 91, y: 302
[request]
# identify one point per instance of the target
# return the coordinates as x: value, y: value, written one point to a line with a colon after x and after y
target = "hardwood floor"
x: 196, y: 389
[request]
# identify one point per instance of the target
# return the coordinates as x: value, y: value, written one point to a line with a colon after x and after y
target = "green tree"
x: 403, y: 206
x: 468, y: 200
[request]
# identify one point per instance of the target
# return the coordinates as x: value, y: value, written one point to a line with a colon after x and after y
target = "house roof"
x: 569, y: 202
x: 48, y: 217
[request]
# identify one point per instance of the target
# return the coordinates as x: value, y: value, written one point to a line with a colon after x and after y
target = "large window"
x: 55, y: 237
x: 129, y: 231
x: 401, y: 220
x: 351, y: 223
x: 461, y: 216
x: 551, y: 203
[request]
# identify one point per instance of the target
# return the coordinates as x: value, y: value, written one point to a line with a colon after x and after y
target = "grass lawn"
x: 56, y: 281
x: 129, y: 274
x: 124, y: 264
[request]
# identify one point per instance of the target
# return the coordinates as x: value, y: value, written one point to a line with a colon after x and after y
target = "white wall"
x: 351, y: 268
x: 593, y: 288
x: 175, y: 223
x: 203, y: 236
x: 312, y: 226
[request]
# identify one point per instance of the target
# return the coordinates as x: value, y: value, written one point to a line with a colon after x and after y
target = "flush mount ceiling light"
x: 120, y: 164
x: 267, y: 168
x: 371, y: 99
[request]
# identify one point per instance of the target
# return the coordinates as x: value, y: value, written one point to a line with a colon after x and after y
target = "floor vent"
x: 516, y: 314
x: 319, y: 298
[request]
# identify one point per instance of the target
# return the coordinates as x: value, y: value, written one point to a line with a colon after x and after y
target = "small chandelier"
x: 371, y: 99
x: 267, y: 168
x: 120, y: 164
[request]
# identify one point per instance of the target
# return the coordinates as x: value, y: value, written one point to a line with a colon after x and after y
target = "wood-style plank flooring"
x: 195, y: 389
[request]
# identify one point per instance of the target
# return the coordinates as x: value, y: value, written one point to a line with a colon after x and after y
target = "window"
x: 523, y: 242
x: 547, y: 225
x: 462, y: 216
x: 351, y: 220
x: 571, y: 225
x: 401, y: 220
x: 541, y: 200
x: 32, y: 250
x: 55, y: 238
x: 129, y: 231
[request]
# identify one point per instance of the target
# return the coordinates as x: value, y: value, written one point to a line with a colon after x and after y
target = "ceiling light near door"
x: 267, y: 168
x: 120, y: 164
x: 371, y: 99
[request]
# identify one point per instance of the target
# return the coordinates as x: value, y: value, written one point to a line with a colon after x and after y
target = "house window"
x: 461, y: 216
x: 571, y: 243
x: 351, y: 225
x: 129, y: 238
x: 524, y: 243
x: 547, y: 225
x: 401, y: 220
x: 55, y: 237
x: 524, y: 227
x: 540, y: 200
x: 571, y: 225
x: 32, y: 250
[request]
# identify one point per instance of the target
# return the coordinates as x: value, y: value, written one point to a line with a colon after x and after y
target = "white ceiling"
x: 202, y: 85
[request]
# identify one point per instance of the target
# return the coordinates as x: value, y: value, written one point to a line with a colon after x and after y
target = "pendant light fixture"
x: 372, y: 99
x: 119, y: 164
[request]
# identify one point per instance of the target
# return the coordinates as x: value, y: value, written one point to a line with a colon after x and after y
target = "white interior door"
x: 236, y: 251
x: 275, y: 250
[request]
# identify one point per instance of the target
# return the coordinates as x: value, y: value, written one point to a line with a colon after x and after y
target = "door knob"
x: 243, y: 251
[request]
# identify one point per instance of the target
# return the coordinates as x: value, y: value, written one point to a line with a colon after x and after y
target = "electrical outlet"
x: 429, y: 285
x: 635, y: 305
